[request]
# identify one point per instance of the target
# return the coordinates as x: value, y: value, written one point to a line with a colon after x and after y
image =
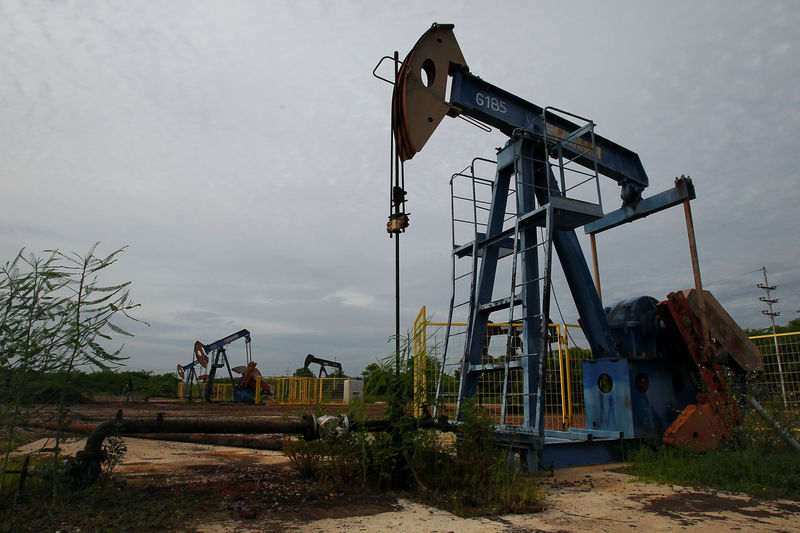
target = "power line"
x: 769, y: 300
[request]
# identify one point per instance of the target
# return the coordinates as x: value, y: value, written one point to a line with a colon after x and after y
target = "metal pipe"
x: 237, y: 441
x: 698, y: 283
x: 397, y: 210
x: 165, y: 427
x: 86, y: 465
x: 596, y: 267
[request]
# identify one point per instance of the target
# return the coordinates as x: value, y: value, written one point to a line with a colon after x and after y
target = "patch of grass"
x: 755, y: 460
x: 474, y: 477
x: 773, y: 475
x: 756, y: 434
x: 346, y: 463
x: 101, y: 508
x: 469, y: 478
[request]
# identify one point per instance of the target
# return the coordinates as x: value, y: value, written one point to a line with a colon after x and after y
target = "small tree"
x: 303, y: 373
x: 378, y: 379
x: 30, y: 331
x: 55, y: 314
x: 88, y: 310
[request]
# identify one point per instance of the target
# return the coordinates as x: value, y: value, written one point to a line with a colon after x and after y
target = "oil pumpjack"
x: 659, y: 366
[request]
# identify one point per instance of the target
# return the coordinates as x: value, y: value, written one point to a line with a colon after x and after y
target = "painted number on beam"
x: 490, y: 102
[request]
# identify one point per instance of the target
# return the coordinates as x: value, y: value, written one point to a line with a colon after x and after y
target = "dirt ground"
x: 259, y: 491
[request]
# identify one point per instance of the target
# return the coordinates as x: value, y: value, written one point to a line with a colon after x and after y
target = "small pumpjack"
x: 248, y: 381
x: 244, y: 389
x: 188, y: 373
x: 323, y: 364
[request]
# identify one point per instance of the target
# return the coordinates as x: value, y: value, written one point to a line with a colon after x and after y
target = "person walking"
x: 129, y: 392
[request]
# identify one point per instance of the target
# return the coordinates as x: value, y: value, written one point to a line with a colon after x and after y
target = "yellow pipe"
x: 775, y: 335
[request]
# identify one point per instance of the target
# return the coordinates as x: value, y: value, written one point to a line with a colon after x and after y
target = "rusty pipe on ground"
x: 86, y: 465
x: 69, y: 427
x: 237, y: 441
x: 305, y: 427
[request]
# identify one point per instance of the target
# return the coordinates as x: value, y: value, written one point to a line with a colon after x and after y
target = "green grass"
x: 47, y: 387
x: 773, y: 475
x: 469, y: 478
x: 755, y: 461
x: 100, y: 508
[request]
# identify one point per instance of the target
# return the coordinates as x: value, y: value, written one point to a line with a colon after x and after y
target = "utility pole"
x: 769, y: 300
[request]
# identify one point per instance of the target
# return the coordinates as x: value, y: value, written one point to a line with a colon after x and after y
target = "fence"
x: 309, y: 391
x: 220, y: 392
x: 286, y: 390
x: 780, y: 383
x: 436, y: 374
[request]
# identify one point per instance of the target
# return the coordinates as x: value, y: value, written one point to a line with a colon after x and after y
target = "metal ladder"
x: 461, y: 297
x: 531, y: 168
x: 529, y: 292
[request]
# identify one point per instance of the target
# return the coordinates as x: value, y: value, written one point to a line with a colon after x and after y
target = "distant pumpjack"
x: 323, y: 363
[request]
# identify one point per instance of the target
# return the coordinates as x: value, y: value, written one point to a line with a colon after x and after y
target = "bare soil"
x: 257, y: 490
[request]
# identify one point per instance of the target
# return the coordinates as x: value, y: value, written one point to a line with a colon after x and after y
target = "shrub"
x: 471, y: 476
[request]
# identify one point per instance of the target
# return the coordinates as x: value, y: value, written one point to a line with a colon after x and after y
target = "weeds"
x: 756, y: 461
x: 114, y: 449
x: 102, y: 507
x: 469, y: 477
x: 472, y: 477
x: 349, y: 462
x: 306, y: 457
x: 776, y: 475
x: 756, y: 434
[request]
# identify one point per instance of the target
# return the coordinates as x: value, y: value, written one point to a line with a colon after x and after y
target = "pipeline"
x: 87, y: 463
x: 236, y: 441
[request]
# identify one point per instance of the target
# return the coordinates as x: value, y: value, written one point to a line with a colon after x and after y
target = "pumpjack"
x: 244, y: 388
x: 659, y: 367
x: 188, y: 373
x: 324, y: 364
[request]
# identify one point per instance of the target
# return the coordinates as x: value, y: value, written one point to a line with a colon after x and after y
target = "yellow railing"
x: 563, y: 390
x: 420, y: 362
x: 563, y: 400
x: 309, y: 391
x: 222, y: 392
x: 258, y: 397
x: 286, y: 390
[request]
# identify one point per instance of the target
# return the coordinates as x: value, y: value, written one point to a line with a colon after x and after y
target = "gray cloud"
x: 241, y: 151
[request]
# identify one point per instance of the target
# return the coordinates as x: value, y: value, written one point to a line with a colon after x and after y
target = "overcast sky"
x: 240, y: 149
